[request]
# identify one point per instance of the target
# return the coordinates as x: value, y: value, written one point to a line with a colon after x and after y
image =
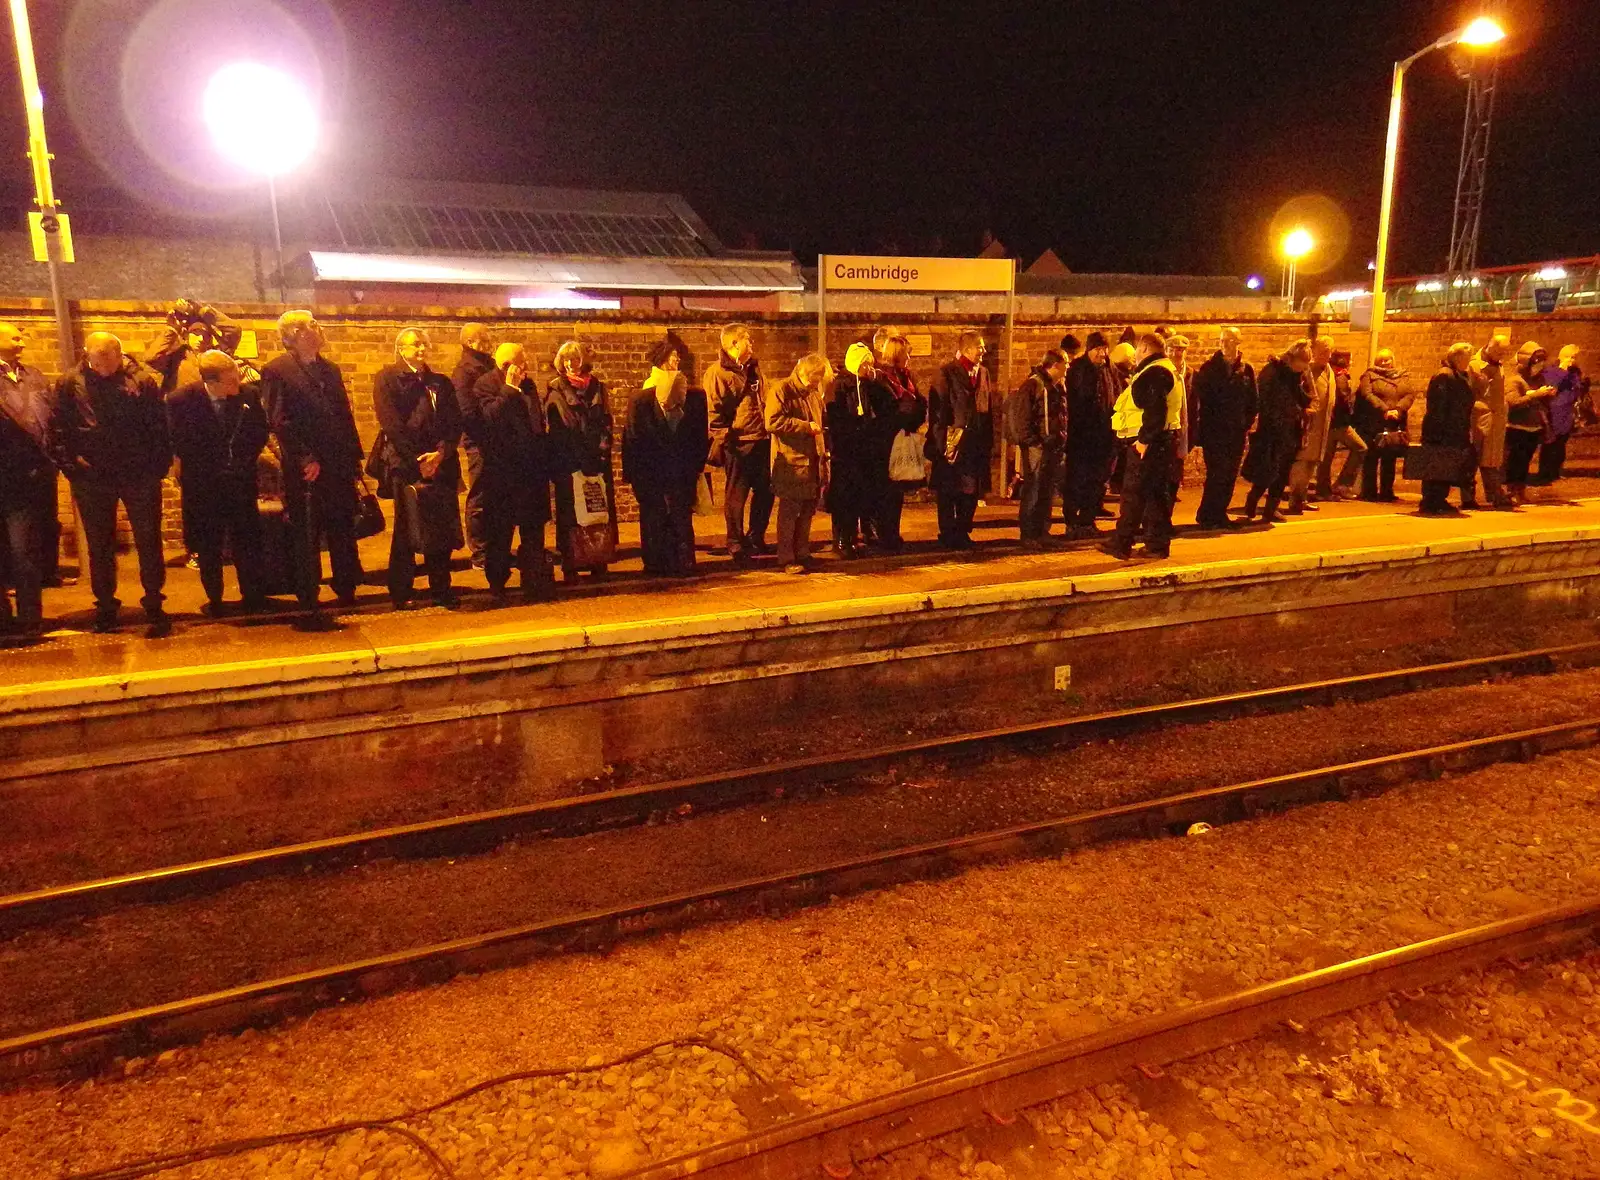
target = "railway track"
x: 835, y: 1142
x: 483, y: 831
x: 91, y: 1044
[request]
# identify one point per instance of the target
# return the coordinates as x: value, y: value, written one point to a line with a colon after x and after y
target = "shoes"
x: 347, y: 601
x: 1112, y: 549
x: 1033, y: 544
x: 845, y: 552
x: 160, y: 625
x: 405, y: 604
x: 254, y: 605
x: 759, y: 548
x: 1390, y: 498
x: 742, y: 558
x: 212, y: 610
x: 105, y: 624
x: 1102, y: 514
x: 448, y: 600
x: 1146, y: 551
x: 795, y: 568
x: 1294, y: 510
x: 315, y: 620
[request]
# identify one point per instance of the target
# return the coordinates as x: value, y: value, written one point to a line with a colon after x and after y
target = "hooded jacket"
x: 1524, y: 411
x: 1569, y: 385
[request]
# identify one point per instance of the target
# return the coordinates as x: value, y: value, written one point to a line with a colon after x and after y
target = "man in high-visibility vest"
x: 1149, y: 414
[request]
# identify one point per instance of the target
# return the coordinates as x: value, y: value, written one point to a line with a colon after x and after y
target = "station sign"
x: 1545, y: 299
x: 850, y: 272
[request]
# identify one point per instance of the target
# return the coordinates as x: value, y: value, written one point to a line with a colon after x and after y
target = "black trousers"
x: 1087, y: 475
x: 854, y: 497
x: 1147, y: 497
x: 887, y: 516
x: 97, y: 508
x: 1223, y: 458
x: 324, y: 509
x: 1521, y: 446
x: 1377, y: 472
x: 42, y: 501
x: 521, y: 510
x: 749, y: 473
x: 1041, y: 473
x: 220, y: 518
x: 1552, y: 457
x: 402, y: 574
x: 666, y: 529
x: 19, y: 562
x: 474, y: 510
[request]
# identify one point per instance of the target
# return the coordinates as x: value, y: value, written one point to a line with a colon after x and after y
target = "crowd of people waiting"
x: 1090, y: 416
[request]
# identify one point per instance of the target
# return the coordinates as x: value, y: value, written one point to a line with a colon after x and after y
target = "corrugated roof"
x: 600, y: 274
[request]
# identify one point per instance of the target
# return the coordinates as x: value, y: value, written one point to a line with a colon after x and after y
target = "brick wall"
x: 361, y: 341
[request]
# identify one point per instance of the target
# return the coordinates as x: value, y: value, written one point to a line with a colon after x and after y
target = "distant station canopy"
x: 528, y: 247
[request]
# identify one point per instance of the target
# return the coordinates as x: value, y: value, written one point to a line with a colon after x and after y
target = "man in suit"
x: 308, y: 411
x: 476, y: 360
x: 218, y: 433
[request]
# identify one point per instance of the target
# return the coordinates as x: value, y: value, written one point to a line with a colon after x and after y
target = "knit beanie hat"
x: 855, y: 356
x: 1096, y: 340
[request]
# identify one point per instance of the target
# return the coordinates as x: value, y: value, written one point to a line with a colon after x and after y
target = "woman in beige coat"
x: 794, y: 409
x: 1489, y: 417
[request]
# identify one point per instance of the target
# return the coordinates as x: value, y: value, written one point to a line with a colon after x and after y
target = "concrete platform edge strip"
x: 467, y: 655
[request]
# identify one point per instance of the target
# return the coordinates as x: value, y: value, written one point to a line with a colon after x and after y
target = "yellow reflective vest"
x: 1127, y: 419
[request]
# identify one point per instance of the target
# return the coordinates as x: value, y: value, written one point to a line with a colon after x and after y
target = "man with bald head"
x: 477, y: 347
x: 503, y: 415
x: 1225, y: 406
x: 28, y: 528
x: 309, y: 412
x: 108, y: 433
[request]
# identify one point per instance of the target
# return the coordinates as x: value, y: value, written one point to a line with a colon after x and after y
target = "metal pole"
x: 1291, y: 285
x: 277, y: 233
x: 43, y: 187
x: 1391, y: 160
x: 822, y: 304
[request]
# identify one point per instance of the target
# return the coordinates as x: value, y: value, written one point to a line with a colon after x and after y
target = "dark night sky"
x: 1151, y: 136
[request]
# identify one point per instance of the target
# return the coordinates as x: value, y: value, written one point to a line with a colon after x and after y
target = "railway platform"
x: 231, y: 718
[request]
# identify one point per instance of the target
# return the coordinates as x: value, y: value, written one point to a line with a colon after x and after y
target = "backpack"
x: 1019, y: 413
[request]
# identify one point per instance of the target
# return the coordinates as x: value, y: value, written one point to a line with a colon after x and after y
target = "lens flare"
x: 260, y: 118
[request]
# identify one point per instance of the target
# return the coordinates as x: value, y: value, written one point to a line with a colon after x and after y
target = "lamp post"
x: 263, y: 120
x: 1297, y: 243
x: 1480, y: 34
x: 51, y: 220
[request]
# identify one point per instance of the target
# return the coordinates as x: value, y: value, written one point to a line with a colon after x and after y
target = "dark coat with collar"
x: 1225, y: 403
x: 959, y: 401
x: 308, y: 410
x: 417, y: 412
x: 24, y: 457
x: 508, y: 427
x: 658, y: 458
x: 216, y: 445
x: 1276, y: 441
x: 1091, y: 393
x: 110, y: 430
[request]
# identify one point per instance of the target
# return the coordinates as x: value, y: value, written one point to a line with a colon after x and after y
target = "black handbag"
x: 369, y: 515
x: 432, y: 517
x: 1392, y: 440
x: 377, y: 466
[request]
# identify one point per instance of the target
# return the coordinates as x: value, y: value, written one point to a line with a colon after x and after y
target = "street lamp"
x: 1480, y: 34
x: 263, y: 120
x: 1297, y: 243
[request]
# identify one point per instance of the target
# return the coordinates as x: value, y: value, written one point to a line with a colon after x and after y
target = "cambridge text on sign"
x: 847, y: 272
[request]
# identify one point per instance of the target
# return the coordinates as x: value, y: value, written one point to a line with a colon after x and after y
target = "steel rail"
x: 833, y: 1142
x: 89, y: 1044
x: 482, y: 831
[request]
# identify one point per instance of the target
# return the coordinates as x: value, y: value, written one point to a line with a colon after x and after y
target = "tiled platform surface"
x: 83, y: 670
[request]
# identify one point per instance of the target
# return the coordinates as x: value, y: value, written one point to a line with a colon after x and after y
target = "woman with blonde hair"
x: 794, y: 419
x: 579, y: 418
